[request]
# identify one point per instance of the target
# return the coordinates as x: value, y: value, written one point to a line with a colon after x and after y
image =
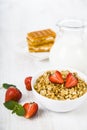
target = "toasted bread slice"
x: 44, y: 48
x: 45, y: 41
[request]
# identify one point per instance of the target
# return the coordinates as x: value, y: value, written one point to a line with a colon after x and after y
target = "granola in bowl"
x: 71, y: 86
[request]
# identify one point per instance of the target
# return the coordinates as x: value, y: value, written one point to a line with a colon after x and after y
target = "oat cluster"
x: 58, y: 91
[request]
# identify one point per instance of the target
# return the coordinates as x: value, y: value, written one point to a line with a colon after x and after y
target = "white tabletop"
x: 17, y: 17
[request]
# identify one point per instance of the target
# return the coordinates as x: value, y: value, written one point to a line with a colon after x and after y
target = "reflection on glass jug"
x: 69, y: 49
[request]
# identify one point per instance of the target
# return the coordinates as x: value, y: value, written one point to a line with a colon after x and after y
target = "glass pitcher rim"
x: 71, y: 24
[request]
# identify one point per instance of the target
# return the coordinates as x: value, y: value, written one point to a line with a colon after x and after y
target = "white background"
x: 17, y: 17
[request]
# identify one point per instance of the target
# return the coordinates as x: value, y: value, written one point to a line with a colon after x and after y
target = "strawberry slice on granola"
x: 56, y: 77
x: 71, y: 81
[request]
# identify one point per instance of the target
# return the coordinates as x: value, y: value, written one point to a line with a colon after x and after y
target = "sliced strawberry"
x: 30, y: 109
x: 71, y: 81
x: 56, y: 77
x: 27, y: 82
x: 13, y: 93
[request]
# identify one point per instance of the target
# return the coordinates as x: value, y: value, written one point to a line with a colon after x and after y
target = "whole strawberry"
x: 13, y: 93
x: 30, y: 109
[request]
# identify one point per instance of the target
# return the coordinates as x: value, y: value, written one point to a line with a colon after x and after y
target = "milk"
x: 69, y: 50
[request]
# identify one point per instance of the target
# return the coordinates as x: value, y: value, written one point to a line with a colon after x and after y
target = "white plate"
x: 22, y: 47
x: 40, y: 55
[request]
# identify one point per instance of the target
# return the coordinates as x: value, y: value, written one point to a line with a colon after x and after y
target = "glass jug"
x: 69, y: 49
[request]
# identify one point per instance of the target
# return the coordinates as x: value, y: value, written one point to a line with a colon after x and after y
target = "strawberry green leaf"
x: 15, y: 107
x: 6, y: 85
x: 19, y: 110
x: 10, y: 104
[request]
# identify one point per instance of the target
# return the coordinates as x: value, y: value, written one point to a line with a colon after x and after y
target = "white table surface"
x: 17, y: 17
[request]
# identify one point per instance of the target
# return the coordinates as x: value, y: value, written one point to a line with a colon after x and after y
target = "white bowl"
x: 59, y: 105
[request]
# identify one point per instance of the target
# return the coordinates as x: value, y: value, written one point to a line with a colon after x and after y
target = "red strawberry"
x: 71, y: 81
x: 30, y: 109
x: 27, y: 82
x: 13, y: 93
x: 56, y: 77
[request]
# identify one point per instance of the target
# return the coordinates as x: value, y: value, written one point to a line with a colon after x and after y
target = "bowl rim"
x: 83, y: 76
